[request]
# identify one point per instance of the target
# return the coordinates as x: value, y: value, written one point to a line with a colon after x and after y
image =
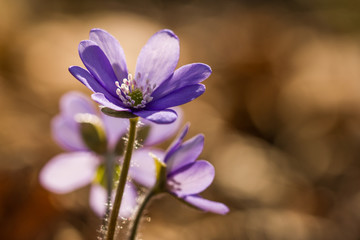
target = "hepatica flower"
x: 90, y: 137
x: 154, y: 88
x: 182, y: 175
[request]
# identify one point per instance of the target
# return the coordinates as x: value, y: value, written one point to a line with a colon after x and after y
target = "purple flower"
x: 83, y: 164
x: 156, y: 85
x: 185, y: 177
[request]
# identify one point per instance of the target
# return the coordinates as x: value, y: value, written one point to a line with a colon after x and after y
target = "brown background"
x: 281, y: 114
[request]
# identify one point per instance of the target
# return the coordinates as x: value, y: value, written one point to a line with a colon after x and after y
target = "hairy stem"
x: 122, y: 181
x: 135, y: 223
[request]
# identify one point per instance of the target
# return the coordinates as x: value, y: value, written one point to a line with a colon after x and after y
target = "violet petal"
x: 187, y: 153
x: 90, y: 82
x: 73, y: 103
x: 191, y: 179
x: 113, y: 51
x: 67, y: 134
x: 102, y: 100
x: 161, y: 117
x: 206, y: 205
x: 177, y: 142
x: 178, y: 97
x: 115, y: 128
x: 68, y: 171
x: 161, y: 132
x: 189, y: 74
x: 158, y: 58
x: 98, y: 65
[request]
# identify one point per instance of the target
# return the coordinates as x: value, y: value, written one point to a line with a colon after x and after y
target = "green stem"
x: 122, y: 181
x: 159, y: 187
x: 139, y: 212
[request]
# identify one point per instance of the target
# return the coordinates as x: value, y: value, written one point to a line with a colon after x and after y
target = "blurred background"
x: 281, y: 114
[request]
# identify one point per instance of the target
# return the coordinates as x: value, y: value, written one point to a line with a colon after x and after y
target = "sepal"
x: 101, y: 178
x: 160, y: 169
x: 92, y: 133
x: 119, y: 114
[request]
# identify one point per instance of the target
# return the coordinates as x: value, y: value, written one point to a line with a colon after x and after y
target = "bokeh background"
x: 281, y: 114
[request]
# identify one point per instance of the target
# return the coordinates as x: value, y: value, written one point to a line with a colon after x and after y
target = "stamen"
x: 132, y: 94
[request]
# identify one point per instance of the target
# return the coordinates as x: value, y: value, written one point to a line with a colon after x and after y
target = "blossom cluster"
x: 96, y: 141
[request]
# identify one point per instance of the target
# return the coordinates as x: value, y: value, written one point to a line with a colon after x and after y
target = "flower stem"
x: 159, y: 187
x: 139, y: 212
x: 122, y: 181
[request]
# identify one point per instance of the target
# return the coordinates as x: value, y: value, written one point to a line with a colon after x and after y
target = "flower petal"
x: 98, y: 65
x: 158, y: 58
x: 68, y: 171
x: 177, y: 97
x: 113, y: 51
x: 89, y: 81
x: 67, y: 134
x: 206, y: 205
x: 142, y: 168
x: 161, y: 117
x: 86, y: 78
x: 98, y: 200
x: 184, y: 76
x: 185, y: 154
x: 101, y: 99
x: 73, y: 103
x: 191, y: 179
x: 160, y: 132
x: 177, y: 142
x: 115, y: 128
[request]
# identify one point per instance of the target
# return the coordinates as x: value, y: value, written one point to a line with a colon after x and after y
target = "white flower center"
x: 132, y: 94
